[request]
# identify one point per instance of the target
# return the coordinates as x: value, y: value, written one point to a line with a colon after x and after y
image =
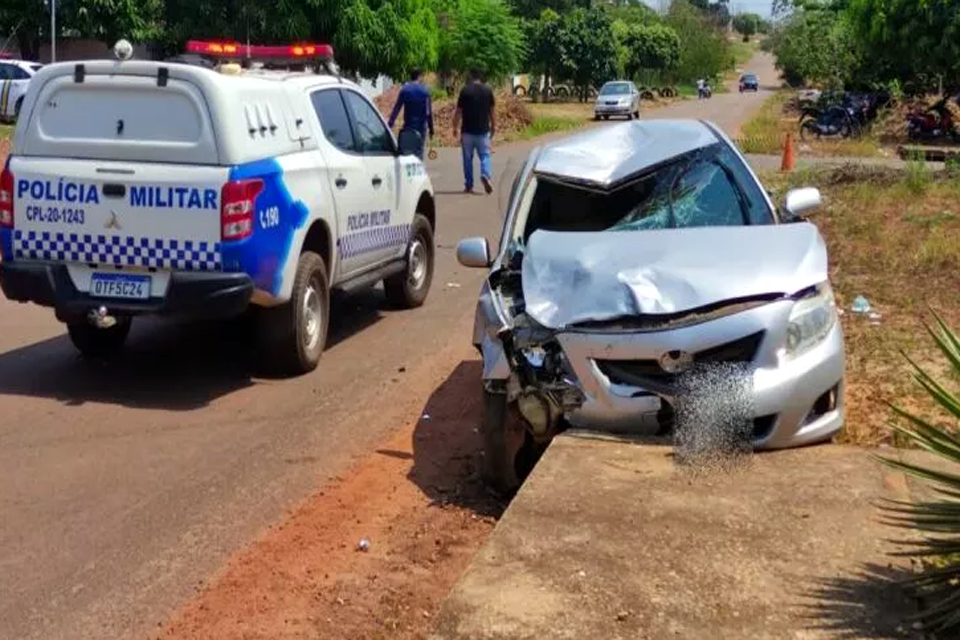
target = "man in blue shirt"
x: 417, y: 110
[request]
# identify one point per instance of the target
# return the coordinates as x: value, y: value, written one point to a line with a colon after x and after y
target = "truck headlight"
x: 811, y: 319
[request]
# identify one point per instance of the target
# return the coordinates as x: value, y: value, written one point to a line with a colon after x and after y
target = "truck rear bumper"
x: 189, y: 294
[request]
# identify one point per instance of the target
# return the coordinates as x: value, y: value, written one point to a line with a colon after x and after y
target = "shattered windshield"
x: 616, y: 89
x: 709, y: 187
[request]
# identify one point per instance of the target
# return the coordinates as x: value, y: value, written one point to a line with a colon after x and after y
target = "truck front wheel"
x: 293, y: 335
x: 408, y: 289
x: 94, y: 342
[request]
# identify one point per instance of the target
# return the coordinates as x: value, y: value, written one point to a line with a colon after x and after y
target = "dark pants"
x: 412, y: 140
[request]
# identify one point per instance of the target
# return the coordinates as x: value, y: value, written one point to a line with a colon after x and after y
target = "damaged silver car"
x: 630, y: 255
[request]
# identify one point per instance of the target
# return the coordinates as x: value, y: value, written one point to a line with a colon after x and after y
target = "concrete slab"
x: 610, y: 540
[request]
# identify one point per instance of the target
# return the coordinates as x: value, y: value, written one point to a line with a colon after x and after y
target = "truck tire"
x: 93, y: 342
x: 409, y: 288
x: 291, y: 337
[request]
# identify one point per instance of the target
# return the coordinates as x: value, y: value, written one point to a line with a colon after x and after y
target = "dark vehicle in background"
x: 749, y: 82
x: 933, y: 122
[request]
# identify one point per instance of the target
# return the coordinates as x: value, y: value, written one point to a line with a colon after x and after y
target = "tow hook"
x: 101, y: 318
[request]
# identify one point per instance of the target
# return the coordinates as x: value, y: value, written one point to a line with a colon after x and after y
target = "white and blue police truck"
x: 143, y: 187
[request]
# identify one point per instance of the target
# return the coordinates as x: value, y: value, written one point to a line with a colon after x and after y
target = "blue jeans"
x: 481, y: 144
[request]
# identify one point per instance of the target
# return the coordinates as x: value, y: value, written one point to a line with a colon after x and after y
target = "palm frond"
x: 935, y: 520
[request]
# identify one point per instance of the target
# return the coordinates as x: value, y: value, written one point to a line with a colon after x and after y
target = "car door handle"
x: 341, y: 182
x: 377, y: 181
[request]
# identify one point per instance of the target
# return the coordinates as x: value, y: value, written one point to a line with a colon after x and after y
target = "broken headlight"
x: 812, y: 318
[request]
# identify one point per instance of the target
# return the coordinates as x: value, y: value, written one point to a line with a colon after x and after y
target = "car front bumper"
x: 612, y: 109
x: 201, y: 294
x: 794, y: 402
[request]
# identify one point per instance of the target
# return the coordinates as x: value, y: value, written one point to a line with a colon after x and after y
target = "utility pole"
x: 53, y: 30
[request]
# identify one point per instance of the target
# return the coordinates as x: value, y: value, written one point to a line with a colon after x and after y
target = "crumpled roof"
x: 605, y: 156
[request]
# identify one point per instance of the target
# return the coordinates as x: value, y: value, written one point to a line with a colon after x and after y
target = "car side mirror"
x: 474, y: 253
x: 800, y: 202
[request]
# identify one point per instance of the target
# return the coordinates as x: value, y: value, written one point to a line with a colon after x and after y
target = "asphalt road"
x: 122, y: 487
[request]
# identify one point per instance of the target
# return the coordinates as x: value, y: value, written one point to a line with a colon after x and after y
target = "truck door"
x: 348, y: 175
x: 384, y: 228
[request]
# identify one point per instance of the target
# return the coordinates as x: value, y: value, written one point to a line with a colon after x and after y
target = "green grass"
x: 543, y: 125
x: 6, y: 131
x: 766, y: 130
x: 894, y: 237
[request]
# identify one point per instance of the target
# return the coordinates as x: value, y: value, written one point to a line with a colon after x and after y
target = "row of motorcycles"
x: 847, y: 114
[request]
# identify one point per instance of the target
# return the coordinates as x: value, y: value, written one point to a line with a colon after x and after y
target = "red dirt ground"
x: 419, y: 502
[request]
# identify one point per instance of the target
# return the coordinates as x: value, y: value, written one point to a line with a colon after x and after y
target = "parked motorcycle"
x: 933, y: 123
x: 835, y: 120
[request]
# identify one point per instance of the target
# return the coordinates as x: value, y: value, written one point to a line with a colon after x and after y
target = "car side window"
x: 16, y: 73
x: 328, y: 103
x: 372, y: 135
x: 5, y: 72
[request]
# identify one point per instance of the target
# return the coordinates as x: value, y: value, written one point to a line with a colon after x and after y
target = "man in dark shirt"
x: 417, y: 110
x: 475, y: 108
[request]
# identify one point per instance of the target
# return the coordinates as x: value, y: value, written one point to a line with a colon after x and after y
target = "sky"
x: 738, y: 6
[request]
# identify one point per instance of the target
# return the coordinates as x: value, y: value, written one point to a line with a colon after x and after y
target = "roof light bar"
x: 237, y: 50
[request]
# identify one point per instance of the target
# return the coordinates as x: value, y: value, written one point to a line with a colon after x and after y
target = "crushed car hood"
x: 570, y: 278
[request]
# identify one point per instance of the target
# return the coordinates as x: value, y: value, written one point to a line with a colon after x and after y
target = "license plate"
x: 120, y: 285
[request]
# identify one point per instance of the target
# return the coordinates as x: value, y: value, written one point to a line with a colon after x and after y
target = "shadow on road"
x: 871, y: 604
x: 447, y: 445
x: 167, y: 365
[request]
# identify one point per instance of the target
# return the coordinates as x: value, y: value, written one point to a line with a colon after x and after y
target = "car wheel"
x: 596, y: 116
x: 408, y: 289
x: 636, y: 114
x: 606, y: 117
x: 94, y: 342
x: 291, y: 337
x: 504, y: 440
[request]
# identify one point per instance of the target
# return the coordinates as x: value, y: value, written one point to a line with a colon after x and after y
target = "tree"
x: 653, y: 47
x: 544, y: 45
x: 369, y: 36
x: 481, y: 34
x: 747, y: 24
x: 817, y: 47
x: 588, y: 48
x: 533, y: 9
x: 704, y: 50
x: 913, y: 41
x: 108, y: 20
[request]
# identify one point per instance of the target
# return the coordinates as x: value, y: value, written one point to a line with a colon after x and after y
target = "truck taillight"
x: 238, y: 206
x: 6, y: 198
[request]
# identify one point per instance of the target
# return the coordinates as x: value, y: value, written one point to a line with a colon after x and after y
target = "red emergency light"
x: 237, y: 50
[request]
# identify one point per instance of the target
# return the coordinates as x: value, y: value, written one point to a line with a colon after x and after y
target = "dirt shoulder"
x: 417, y: 500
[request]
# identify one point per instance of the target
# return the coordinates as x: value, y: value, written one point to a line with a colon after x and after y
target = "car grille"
x: 624, y: 372
x: 611, y: 103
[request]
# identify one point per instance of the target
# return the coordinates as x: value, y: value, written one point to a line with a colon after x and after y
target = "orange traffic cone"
x: 788, y: 162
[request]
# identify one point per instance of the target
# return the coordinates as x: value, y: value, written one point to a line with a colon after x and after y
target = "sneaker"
x: 487, y: 185
x: 468, y: 190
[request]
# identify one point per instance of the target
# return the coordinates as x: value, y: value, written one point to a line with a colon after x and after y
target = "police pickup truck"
x: 142, y: 187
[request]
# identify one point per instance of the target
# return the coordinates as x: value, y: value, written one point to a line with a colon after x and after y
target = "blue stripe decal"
x: 263, y: 255
x: 376, y: 239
